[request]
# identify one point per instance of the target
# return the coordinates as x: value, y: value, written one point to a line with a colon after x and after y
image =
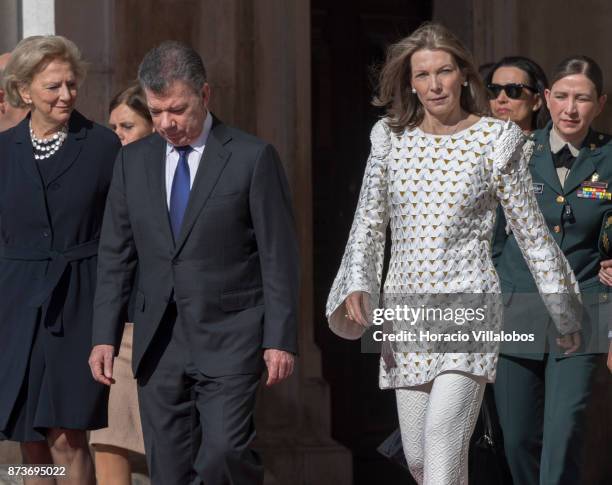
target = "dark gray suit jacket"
x: 233, y: 271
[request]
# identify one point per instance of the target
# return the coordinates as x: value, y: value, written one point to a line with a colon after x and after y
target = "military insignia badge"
x: 594, y: 189
x: 605, y: 235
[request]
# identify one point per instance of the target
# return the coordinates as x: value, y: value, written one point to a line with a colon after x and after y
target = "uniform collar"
x: 557, y: 143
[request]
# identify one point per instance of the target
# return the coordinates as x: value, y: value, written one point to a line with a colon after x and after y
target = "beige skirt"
x: 124, y: 428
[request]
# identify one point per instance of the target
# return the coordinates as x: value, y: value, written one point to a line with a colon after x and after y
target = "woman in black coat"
x: 55, y: 170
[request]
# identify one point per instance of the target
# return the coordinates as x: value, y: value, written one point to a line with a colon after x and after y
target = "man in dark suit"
x: 205, y: 212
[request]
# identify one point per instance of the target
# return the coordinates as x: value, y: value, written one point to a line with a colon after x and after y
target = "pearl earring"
x: 465, y: 83
x: 413, y: 91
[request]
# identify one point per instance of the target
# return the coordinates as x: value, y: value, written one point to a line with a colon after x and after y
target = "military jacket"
x: 579, y: 217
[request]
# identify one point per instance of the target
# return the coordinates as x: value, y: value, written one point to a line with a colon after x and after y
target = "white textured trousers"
x: 437, y: 420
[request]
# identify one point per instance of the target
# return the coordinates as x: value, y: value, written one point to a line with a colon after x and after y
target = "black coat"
x: 49, y: 229
x: 233, y: 271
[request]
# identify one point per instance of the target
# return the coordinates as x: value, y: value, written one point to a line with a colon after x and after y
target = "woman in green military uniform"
x: 571, y: 167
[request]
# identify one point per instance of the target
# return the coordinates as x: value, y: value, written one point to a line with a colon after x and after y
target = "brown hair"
x: 394, y: 91
x: 133, y: 97
x: 580, y: 65
x: 31, y: 56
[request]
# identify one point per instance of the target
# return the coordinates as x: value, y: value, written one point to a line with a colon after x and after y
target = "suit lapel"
x: 585, y: 165
x: 77, y: 132
x: 23, y: 152
x: 155, y: 166
x: 543, y: 164
x: 213, y: 161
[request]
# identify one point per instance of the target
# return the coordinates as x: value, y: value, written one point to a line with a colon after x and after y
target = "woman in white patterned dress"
x: 436, y: 173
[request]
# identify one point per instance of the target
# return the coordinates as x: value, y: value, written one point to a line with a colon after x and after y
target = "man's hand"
x: 101, y: 363
x: 605, y: 272
x: 570, y: 342
x: 280, y: 365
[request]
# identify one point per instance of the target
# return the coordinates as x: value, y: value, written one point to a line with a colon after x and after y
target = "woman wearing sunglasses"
x: 516, y: 92
x: 541, y: 392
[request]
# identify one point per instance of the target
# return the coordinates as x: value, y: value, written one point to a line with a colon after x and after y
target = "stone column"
x: 10, y: 25
x: 489, y: 29
x: 88, y: 23
x: 38, y: 17
x: 495, y: 29
x: 294, y: 417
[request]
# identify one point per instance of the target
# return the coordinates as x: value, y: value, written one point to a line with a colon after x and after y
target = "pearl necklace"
x: 45, y: 148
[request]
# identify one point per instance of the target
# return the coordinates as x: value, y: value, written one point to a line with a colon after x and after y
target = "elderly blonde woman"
x: 55, y: 172
x: 436, y: 173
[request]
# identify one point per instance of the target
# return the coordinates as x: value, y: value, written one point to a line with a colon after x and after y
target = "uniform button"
x: 45, y: 234
x: 557, y: 229
x: 560, y: 199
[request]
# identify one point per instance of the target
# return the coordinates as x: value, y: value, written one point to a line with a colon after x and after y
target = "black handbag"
x: 393, y: 450
x: 487, y: 464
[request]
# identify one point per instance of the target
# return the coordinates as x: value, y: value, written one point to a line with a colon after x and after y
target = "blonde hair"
x: 403, y: 108
x: 31, y: 56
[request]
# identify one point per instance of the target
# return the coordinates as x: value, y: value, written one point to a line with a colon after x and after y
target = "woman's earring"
x: 465, y: 84
x: 413, y: 91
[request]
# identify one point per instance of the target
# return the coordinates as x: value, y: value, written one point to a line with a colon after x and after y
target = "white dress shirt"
x: 193, y: 158
x: 556, y: 145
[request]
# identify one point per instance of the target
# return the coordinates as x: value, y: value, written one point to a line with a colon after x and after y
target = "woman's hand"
x: 570, y: 342
x: 605, y: 272
x: 357, y: 306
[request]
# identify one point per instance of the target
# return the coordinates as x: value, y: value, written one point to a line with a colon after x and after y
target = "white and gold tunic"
x: 440, y: 195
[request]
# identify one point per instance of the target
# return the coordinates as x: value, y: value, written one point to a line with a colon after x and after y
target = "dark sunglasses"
x: 512, y: 90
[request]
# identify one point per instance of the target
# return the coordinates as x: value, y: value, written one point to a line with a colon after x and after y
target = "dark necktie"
x: 564, y: 158
x: 179, y: 195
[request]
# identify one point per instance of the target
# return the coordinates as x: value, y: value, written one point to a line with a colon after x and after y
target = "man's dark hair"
x: 171, y: 61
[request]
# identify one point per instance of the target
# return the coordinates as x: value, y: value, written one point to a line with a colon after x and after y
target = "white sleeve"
x: 550, y: 269
x: 361, y: 267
